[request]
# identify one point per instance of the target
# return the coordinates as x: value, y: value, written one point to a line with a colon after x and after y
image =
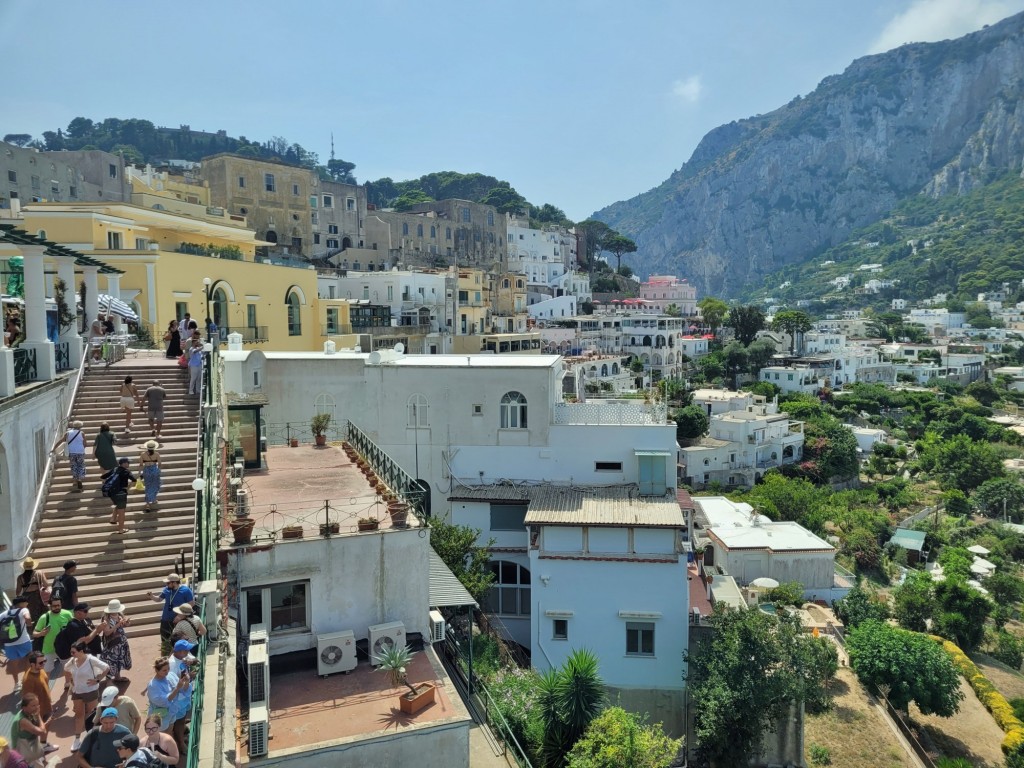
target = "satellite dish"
x: 374, y: 358
x: 400, y: 348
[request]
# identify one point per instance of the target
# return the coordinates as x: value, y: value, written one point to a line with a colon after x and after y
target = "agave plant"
x: 395, y: 660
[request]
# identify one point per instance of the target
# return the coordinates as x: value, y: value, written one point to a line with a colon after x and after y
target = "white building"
x: 560, y: 307
x: 749, y: 546
x: 656, y: 342
x: 661, y: 291
x: 937, y: 322
x: 715, y: 401
x: 418, y: 299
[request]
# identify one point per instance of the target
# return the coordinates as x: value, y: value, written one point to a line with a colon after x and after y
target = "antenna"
x: 332, y: 145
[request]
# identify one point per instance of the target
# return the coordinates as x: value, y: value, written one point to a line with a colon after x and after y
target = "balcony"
x: 610, y: 413
x: 250, y: 334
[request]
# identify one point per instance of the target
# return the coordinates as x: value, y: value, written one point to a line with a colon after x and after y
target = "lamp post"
x: 206, y: 290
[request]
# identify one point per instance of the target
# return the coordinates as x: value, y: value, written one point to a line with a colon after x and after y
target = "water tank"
x: 234, y: 342
x: 330, y: 347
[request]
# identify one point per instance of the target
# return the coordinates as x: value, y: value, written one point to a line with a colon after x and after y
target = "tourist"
x: 159, y: 743
x: 187, y: 625
x: 103, y: 448
x: 28, y: 729
x: 128, y: 713
x: 117, y: 652
x: 183, y: 326
x: 65, y: 586
x: 32, y: 584
x: 129, y: 400
x: 167, y: 698
x: 97, y: 335
x: 149, y: 469
x: 37, y: 682
x: 75, y: 439
x: 173, y: 339
x: 154, y: 397
x: 119, y: 493
x: 97, y: 749
x: 173, y: 594
x: 109, y: 329
x: 131, y: 753
x: 79, y: 628
x: 48, y: 627
x: 19, y: 639
x: 10, y: 758
x: 195, y: 367
x: 87, y: 673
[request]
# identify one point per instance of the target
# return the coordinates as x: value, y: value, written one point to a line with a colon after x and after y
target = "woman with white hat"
x: 149, y: 468
x: 75, y: 439
x: 187, y: 626
x: 116, y: 651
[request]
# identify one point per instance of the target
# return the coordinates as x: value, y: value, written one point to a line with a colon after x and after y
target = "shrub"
x: 820, y: 755
x: 515, y: 695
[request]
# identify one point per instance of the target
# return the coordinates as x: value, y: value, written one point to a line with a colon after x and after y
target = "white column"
x: 114, y: 290
x: 92, y: 294
x: 70, y: 335
x: 35, y: 313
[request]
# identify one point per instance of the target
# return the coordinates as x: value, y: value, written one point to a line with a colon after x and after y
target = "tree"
x: 956, y: 562
x: 20, y: 139
x: 736, y: 357
x: 625, y: 271
x: 859, y: 605
x: 985, y: 392
x: 691, y: 422
x: 569, y: 699
x: 505, y: 199
x: 341, y: 171
x: 759, y: 354
x: 746, y: 675
x: 594, y: 233
x: 907, y: 666
x: 617, y: 738
x: 458, y: 546
x: 961, y: 612
x: 960, y: 462
x: 131, y: 154
x: 713, y: 311
x: 785, y: 498
x: 956, y: 503
x: 914, y: 601
x: 1006, y: 588
x: 407, y: 200
x: 792, y: 321
x: 673, y: 310
x: 832, y: 448
x: 619, y: 244
x: 994, y: 496
x: 745, y: 322
x: 549, y: 214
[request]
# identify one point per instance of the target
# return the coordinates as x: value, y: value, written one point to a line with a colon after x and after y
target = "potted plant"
x: 394, y: 660
x: 367, y: 524
x: 291, y: 532
x: 328, y: 529
x: 241, y: 529
x: 318, y: 425
x: 399, y: 512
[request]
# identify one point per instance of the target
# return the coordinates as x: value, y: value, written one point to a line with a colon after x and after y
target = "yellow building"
x: 509, y: 293
x: 201, y: 263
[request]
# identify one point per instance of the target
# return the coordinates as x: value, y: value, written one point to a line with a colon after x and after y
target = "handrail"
x: 44, y: 486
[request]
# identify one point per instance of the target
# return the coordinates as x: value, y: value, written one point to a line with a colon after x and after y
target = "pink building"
x: 662, y: 290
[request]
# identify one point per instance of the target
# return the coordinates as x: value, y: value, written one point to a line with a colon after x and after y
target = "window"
x: 35, y: 183
x: 268, y: 182
x: 54, y: 190
x: 419, y: 230
x: 250, y: 315
x: 559, y: 629
x: 332, y: 229
x: 241, y: 182
x: 72, y: 191
x: 180, y: 308
x: 478, y: 410
x: 405, y: 228
x: 332, y: 242
x: 114, y: 241
x: 295, y: 189
x: 350, y: 203
x: 416, y: 408
x: 328, y: 201
x: 325, y: 403
x: 608, y: 466
x: 12, y: 176
x: 282, y: 607
x: 316, y: 236
x: 447, y: 233
x: 313, y: 201
x: 332, y: 320
x: 490, y: 218
x: 510, y: 592
x: 112, y: 171
x: 508, y: 517
x: 315, y: 217
x: 465, y: 215
x: 639, y: 638
x: 294, y: 315
x: 433, y: 232
x: 141, y: 243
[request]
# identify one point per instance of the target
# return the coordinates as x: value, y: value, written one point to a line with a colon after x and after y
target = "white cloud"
x: 926, y: 21
x: 688, y: 89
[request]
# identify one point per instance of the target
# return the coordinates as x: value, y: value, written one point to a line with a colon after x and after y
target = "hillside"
x: 778, y: 190
x: 955, y: 244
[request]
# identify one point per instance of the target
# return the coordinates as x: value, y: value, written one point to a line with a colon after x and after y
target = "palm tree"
x: 569, y: 698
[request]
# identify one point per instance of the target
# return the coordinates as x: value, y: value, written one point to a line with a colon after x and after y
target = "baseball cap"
x: 82, y: 607
x: 19, y: 599
x: 131, y: 741
x: 183, y: 645
x: 109, y: 694
x: 108, y: 712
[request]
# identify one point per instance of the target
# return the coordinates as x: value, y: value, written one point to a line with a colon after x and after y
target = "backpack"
x: 59, y: 591
x: 11, y: 627
x: 111, y: 484
x: 147, y: 759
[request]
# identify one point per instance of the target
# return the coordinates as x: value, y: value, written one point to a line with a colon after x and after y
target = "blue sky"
x: 574, y: 103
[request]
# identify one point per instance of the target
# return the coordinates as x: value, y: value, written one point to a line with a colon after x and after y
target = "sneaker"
x: 76, y: 744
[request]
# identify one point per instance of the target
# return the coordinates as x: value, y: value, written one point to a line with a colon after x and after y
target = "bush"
x: 820, y: 755
x: 1018, y: 708
x: 1007, y: 648
x: 515, y: 694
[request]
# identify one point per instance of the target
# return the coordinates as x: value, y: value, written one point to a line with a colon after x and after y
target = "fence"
x: 198, y: 686
x: 909, y: 522
x: 282, y: 433
x: 209, y: 460
x: 408, y: 490
x: 62, y: 356
x: 24, y: 365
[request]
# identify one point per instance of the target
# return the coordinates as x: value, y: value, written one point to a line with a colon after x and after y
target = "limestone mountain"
x: 776, y: 190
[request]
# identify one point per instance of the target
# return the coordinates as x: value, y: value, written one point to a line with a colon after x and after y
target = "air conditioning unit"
x: 258, y: 634
x: 242, y: 502
x: 259, y: 730
x: 384, y: 635
x: 335, y: 652
x: 437, y: 627
x: 259, y: 675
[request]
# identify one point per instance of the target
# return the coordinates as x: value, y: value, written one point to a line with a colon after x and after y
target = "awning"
x: 446, y: 591
x: 111, y: 305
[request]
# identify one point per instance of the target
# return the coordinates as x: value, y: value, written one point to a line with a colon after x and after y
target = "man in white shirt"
x: 183, y: 327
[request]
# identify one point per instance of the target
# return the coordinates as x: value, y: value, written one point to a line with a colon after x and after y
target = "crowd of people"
x: 43, y: 640
x: 185, y: 343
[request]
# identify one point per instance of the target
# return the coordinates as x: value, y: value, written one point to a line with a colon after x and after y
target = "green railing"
x: 208, y: 464
x: 396, y: 478
x: 198, y: 685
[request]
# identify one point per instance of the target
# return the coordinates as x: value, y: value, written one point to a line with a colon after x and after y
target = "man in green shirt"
x: 48, y: 627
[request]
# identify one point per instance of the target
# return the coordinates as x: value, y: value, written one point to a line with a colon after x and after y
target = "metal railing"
x: 396, y: 478
x: 207, y: 514
x: 198, y: 692
x: 251, y: 334
x: 24, y: 365
x: 282, y: 433
x: 62, y: 356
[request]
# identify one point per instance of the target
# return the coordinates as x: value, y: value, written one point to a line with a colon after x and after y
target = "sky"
x: 576, y: 103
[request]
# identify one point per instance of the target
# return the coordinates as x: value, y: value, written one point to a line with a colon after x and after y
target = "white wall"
x: 355, y: 581
x: 815, y: 571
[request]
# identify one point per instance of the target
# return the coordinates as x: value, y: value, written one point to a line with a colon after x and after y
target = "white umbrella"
x: 112, y: 305
x: 977, y: 549
x: 764, y: 583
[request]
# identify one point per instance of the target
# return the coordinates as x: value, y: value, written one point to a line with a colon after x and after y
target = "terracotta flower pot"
x: 241, y: 528
x: 410, y: 704
x: 399, y: 512
x: 292, y: 532
x: 321, y: 440
x: 294, y: 442
x: 329, y: 528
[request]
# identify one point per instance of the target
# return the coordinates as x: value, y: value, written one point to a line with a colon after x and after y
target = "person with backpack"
x: 32, y: 583
x: 75, y: 439
x: 97, y: 749
x: 79, y: 628
x: 133, y: 755
x: 115, y: 486
x: 48, y: 627
x: 65, y: 586
x: 16, y: 638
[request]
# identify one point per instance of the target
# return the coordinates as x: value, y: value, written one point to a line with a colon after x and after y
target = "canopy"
x: 113, y: 306
x: 764, y: 582
x: 978, y: 550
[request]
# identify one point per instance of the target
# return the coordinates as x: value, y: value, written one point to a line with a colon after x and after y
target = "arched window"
x: 220, y: 309
x: 405, y: 228
x: 604, y: 369
x: 324, y: 403
x: 509, y: 594
x: 447, y: 233
x: 615, y: 369
x: 294, y: 315
x: 416, y: 411
x: 419, y: 230
x: 513, y: 411
x: 433, y: 231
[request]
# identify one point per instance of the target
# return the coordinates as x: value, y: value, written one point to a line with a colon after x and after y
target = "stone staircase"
x: 74, y: 524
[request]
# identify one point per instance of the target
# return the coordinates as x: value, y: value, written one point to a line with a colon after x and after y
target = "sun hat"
x: 29, y: 563
x: 109, y: 694
x: 77, y: 424
x: 108, y: 712
x: 172, y: 577
x: 115, y: 606
x: 183, y: 645
x: 152, y: 445
x: 184, y: 610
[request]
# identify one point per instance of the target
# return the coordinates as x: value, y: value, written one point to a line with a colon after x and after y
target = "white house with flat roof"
x: 749, y: 546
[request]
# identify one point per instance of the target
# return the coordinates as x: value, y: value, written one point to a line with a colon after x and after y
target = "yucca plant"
x: 319, y: 423
x: 394, y: 660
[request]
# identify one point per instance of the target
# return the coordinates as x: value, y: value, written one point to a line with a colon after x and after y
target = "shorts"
x: 92, y: 695
x: 20, y: 651
x: 120, y: 499
x: 127, y: 402
x: 156, y: 415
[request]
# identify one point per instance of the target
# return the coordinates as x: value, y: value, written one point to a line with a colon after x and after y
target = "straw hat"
x: 77, y: 424
x: 152, y: 445
x: 115, y: 606
x: 183, y: 610
x: 29, y: 563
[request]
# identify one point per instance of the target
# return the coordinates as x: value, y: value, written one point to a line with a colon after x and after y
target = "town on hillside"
x: 446, y: 486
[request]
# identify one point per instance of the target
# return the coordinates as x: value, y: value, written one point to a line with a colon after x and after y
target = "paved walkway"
x: 482, y: 747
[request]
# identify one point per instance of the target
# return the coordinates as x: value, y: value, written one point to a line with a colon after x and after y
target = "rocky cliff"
x: 776, y: 189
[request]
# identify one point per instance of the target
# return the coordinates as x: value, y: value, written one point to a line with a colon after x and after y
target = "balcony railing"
x: 62, y: 354
x: 610, y: 413
x: 250, y: 334
x: 24, y: 365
